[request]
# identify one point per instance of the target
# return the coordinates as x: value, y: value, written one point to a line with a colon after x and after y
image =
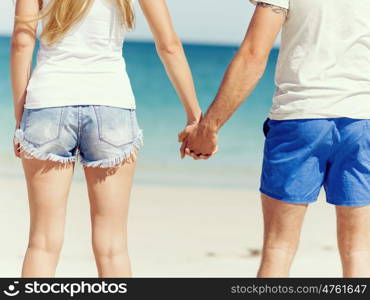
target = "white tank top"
x: 86, y: 67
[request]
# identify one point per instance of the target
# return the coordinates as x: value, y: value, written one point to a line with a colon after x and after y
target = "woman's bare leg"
x: 353, y: 227
x: 282, y: 228
x: 48, y: 185
x: 109, y: 193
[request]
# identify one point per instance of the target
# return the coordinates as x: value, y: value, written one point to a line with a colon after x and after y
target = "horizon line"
x: 184, y: 42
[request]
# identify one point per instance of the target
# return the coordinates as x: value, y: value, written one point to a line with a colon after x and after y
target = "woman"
x: 78, y: 102
x: 317, y: 134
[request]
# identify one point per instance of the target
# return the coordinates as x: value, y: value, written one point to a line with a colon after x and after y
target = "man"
x: 318, y: 131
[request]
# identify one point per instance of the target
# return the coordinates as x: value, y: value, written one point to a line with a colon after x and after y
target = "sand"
x: 173, y: 232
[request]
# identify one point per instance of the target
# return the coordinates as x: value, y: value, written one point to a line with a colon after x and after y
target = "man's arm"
x: 248, y: 65
x: 240, y: 79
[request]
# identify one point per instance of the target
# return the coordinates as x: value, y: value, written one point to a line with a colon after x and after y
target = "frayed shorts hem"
x: 29, y: 151
x: 134, y: 147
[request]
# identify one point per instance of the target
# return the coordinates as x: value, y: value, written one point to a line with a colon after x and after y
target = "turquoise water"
x: 160, y: 115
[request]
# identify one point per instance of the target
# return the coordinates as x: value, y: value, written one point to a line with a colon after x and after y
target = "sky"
x: 196, y: 21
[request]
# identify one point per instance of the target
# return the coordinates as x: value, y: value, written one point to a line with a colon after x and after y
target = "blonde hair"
x: 62, y: 15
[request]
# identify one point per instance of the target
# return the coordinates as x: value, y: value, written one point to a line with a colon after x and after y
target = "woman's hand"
x: 193, y: 121
x: 190, y: 126
x: 17, y: 149
x: 16, y: 146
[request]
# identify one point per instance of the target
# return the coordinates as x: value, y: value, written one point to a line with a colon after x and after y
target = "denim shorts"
x: 100, y: 136
x: 301, y: 156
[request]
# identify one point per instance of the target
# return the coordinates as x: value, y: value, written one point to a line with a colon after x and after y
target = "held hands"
x: 198, y: 141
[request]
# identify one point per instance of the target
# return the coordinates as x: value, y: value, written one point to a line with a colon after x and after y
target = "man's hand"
x: 198, y: 141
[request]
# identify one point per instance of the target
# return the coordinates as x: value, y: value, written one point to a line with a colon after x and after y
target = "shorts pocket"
x: 115, y: 125
x: 43, y: 125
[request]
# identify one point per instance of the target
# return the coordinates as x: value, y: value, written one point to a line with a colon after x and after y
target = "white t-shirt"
x: 323, y: 69
x: 86, y: 67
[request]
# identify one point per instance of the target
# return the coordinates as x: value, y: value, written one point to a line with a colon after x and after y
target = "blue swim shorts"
x: 100, y: 136
x: 301, y: 156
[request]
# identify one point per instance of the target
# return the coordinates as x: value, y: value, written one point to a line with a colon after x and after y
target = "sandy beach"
x: 173, y: 232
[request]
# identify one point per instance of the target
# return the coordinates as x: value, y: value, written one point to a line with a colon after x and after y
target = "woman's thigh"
x: 48, y: 185
x: 109, y: 193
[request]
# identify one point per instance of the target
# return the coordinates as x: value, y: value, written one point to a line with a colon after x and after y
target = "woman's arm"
x: 171, y: 52
x: 22, y: 47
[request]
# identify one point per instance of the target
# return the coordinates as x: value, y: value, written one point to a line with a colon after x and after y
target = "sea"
x: 160, y: 114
